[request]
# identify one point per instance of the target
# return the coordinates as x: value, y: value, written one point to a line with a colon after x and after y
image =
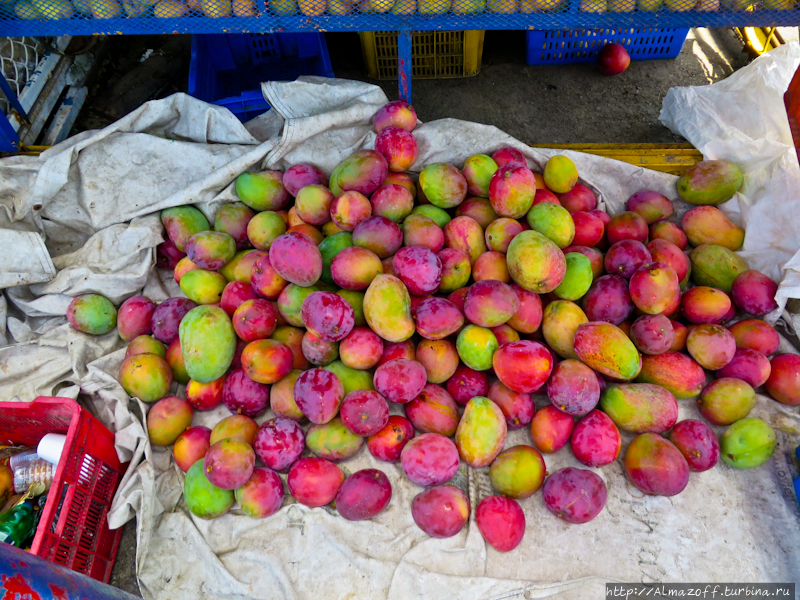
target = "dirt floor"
x: 554, y: 104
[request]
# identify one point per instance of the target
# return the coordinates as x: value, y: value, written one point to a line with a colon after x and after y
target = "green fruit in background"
x: 208, y: 342
x: 202, y: 498
x: 747, y: 443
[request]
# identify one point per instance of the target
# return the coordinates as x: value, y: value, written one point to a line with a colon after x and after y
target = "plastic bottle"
x: 28, y: 473
x: 17, y: 523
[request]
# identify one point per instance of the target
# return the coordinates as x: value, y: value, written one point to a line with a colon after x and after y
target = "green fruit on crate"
x: 105, y: 9
x: 24, y: 9
x: 54, y: 9
x: 747, y: 443
x: 709, y: 181
x: 203, y: 499
x: 208, y: 342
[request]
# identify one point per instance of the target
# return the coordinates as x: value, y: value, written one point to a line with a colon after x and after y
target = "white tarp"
x: 93, y: 198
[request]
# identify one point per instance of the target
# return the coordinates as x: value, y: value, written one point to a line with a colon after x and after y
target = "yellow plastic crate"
x: 668, y: 158
x: 436, y: 54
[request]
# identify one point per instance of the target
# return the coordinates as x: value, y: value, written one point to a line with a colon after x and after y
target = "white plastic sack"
x: 737, y: 526
x: 743, y: 119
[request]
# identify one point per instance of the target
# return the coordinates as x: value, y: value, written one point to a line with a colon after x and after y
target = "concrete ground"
x: 552, y: 104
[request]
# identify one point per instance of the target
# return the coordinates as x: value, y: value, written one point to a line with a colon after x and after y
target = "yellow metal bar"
x: 370, y: 53
x: 760, y: 39
x: 667, y: 158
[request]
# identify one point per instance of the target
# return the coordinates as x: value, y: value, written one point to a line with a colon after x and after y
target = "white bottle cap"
x: 51, y: 446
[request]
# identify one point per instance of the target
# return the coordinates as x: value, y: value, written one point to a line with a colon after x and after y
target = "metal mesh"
x: 81, y: 17
x: 18, y: 59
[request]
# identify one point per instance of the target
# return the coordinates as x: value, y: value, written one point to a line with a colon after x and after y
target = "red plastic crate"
x: 73, y: 530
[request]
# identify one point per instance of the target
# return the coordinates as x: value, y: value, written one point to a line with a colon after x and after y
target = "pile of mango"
x: 420, y: 318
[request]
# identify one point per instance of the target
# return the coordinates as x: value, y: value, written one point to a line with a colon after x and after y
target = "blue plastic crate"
x: 569, y: 46
x: 227, y: 69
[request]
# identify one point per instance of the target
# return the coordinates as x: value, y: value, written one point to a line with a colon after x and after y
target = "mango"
x: 389, y: 442
x: 478, y: 171
x: 191, y: 446
x: 184, y: 266
x: 517, y: 407
x: 146, y: 344
x: 419, y: 269
x: 419, y: 230
x: 397, y: 113
x: 573, y: 388
x: 233, y: 219
x: 523, y: 366
x: 756, y: 335
x: 709, y: 182
x: 697, y: 442
x: 708, y: 225
x: 579, y: 198
x: 439, y: 357
x: 664, y: 230
x: 575, y: 495
x: 167, y: 419
x: 518, y: 472
x: 551, y: 429
x: 281, y: 397
x: 589, y: 229
x: 202, y: 286
x: 535, y: 262
x: 676, y: 372
x: 467, y: 383
x: 363, y: 495
x: 296, y: 258
x: 134, y: 317
x: 479, y: 209
x: 655, y: 466
x: 318, y: 351
x: 333, y: 441
x: 578, y: 277
x: 491, y: 265
x: 240, y: 427
x: 476, y: 346
x: 456, y: 269
x: 501, y: 522
x: 349, y: 209
x: 595, y: 440
x: 145, y: 376
x: 552, y: 221
x: 438, y: 215
x: 262, y: 191
x: 387, y: 308
x: 748, y: 443
x: 481, y: 432
x: 264, y: 228
x: 754, y: 293
x: 666, y: 252
x: 208, y: 342
x: 560, y: 323
x: 441, y: 511
x: 715, y: 266
x: 279, y: 442
x: 652, y: 334
x: 234, y: 294
x: 205, y: 396
x: 429, y: 459
x: 511, y: 190
x: 433, y: 411
x: 465, y: 234
x: 182, y: 222
x: 651, y: 206
x: 499, y: 233
x: 356, y: 301
x: 712, y: 346
x: 443, y: 185
x: 490, y: 303
x: 640, y: 407
x: 229, y: 463
x: 174, y: 358
x: 364, y: 412
x: 314, y: 481
x: 328, y: 316
x: 606, y: 349
x: 204, y: 499
x: 262, y: 495
x: 608, y: 300
x: 393, y: 201
x: 703, y: 304
x: 560, y: 174
x: 244, y: 396
x: 291, y: 300
x: 748, y: 365
x: 318, y: 393
x: 783, y: 383
x: 528, y: 317
x: 625, y: 257
x: 654, y: 288
x: 726, y: 400
x: 92, y: 313
x: 352, y: 379
x: 626, y: 226
x: 210, y: 249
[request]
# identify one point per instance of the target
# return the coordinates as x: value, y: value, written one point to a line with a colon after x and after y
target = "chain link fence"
x: 19, y: 57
